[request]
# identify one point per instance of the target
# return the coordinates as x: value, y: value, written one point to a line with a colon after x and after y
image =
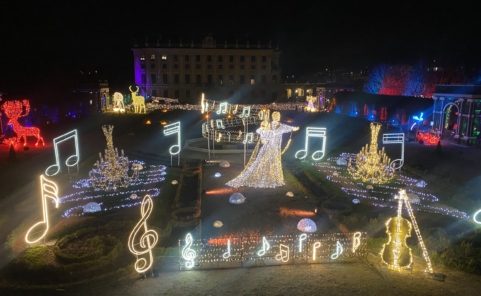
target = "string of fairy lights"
x: 85, y: 192
x: 256, y: 250
x: 381, y: 195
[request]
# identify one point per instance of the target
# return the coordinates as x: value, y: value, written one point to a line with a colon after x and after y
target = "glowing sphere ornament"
x: 217, y: 175
x: 307, y: 225
x: 341, y: 161
x: 237, y: 198
x: 91, y: 207
x: 290, y: 194
x: 218, y: 224
x: 224, y: 164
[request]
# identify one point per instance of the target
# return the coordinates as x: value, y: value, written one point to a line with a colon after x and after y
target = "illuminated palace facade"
x: 222, y: 71
x: 457, y: 112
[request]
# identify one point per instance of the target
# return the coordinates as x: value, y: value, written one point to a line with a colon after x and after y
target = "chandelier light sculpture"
x: 372, y: 165
x: 111, y: 171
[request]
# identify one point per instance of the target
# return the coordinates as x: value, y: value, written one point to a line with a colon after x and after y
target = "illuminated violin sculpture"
x: 396, y: 253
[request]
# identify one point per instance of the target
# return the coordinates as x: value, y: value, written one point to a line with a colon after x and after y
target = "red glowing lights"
x: 15, y: 110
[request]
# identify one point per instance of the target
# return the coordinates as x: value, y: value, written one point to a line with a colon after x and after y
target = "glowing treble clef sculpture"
x: 188, y: 253
x: 142, y: 240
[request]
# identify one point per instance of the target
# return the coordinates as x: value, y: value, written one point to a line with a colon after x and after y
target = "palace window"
x: 165, y: 78
x: 153, y: 78
x: 242, y: 58
x: 187, y: 78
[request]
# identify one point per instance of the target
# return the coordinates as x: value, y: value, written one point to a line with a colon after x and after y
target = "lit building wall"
x: 222, y: 72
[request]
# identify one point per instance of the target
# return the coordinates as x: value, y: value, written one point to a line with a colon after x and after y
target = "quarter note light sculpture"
x: 313, y: 132
x: 142, y: 239
x: 49, y: 190
x: 71, y: 161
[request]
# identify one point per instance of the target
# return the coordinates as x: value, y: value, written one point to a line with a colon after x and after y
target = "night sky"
x: 45, y: 46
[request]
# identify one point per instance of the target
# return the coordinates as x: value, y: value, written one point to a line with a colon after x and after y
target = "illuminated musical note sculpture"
x: 475, y: 217
x: 302, y: 238
x: 371, y: 165
x: 395, y: 253
x: 71, y: 161
x: 142, y: 239
x: 316, y: 246
x: 313, y: 132
x: 189, y: 254
x: 204, y: 104
x: 222, y: 108
x: 248, y: 138
x: 265, y: 247
x: 171, y: 129
x: 219, y: 124
x: 49, y: 190
x: 356, y: 241
x: 227, y: 254
x: 395, y: 138
x: 283, y: 254
x: 339, y: 251
x: 246, y: 112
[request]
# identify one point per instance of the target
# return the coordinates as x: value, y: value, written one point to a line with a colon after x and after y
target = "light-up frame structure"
x: 142, y: 240
x: 241, y: 251
x: 313, y: 132
x: 49, y: 190
x: 395, y: 138
x: 170, y: 129
x: 71, y: 161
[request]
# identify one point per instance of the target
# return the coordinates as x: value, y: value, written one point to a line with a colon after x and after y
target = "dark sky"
x: 44, y: 46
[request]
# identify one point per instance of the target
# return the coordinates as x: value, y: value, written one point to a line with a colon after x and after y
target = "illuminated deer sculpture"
x: 13, y: 110
x: 137, y: 101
